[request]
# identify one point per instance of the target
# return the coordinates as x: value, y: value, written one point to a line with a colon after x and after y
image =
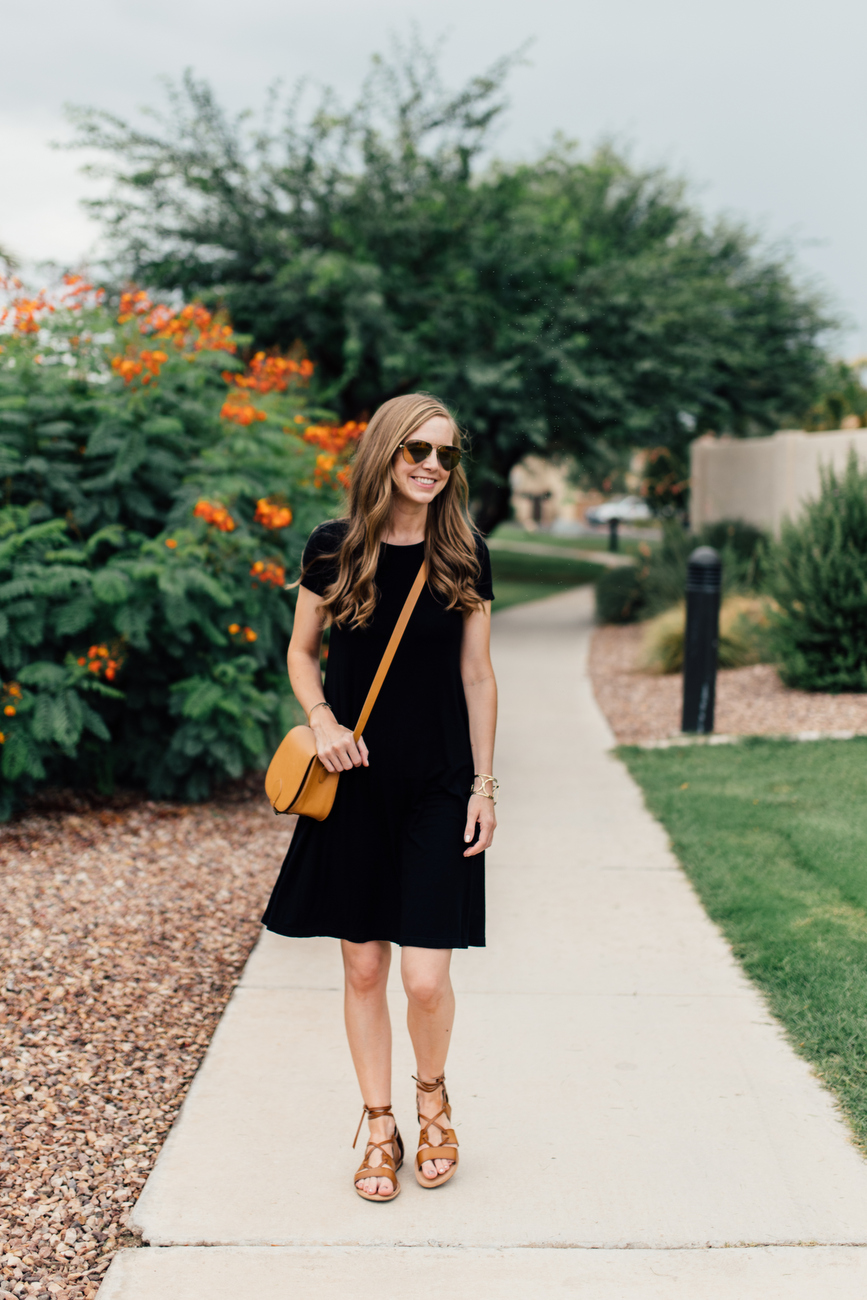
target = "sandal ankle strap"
x: 372, y: 1112
x: 432, y: 1087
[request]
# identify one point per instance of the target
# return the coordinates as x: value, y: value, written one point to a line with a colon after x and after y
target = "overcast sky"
x: 762, y: 104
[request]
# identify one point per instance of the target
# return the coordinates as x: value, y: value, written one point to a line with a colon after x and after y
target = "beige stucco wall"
x: 764, y: 480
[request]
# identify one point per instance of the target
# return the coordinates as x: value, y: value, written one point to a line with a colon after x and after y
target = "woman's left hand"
x: 480, y: 810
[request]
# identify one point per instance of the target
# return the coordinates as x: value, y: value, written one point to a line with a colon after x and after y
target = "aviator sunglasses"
x: 416, y: 450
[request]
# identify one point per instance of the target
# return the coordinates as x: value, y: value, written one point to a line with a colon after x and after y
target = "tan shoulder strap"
x: 394, y: 642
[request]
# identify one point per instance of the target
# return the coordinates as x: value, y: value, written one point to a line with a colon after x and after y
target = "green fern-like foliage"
x: 143, y: 641
x: 820, y: 582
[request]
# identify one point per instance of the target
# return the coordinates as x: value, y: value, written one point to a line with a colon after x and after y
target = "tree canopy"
x: 565, y: 304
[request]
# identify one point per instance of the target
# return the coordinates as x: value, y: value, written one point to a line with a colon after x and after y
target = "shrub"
x: 744, y: 635
x: 819, y: 579
x: 744, y: 551
x: 158, y: 492
x: 620, y: 596
x: 658, y: 582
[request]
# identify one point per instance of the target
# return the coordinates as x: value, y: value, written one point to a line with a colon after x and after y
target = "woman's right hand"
x: 336, y: 745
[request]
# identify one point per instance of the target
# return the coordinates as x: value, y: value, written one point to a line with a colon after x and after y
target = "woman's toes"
x: 384, y: 1187
x: 442, y: 1165
x: 429, y: 1169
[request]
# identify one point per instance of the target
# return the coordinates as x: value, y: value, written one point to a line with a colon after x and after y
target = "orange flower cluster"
x: 334, y: 438
x: 135, y: 302
x: 271, y: 514
x: 270, y: 374
x: 247, y: 633
x: 11, y: 692
x: 240, y: 410
x: 76, y: 290
x: 147, y: 365
x: 213, y: 513
x: 164, y: 322
x: 102, y: 662
x: 25, y: 315
x: 269, y: 571
x: 322, y: 472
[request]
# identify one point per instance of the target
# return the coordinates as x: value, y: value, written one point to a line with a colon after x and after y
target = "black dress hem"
x: 381, y: 938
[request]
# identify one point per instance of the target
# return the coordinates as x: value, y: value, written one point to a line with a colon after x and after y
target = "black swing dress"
x: 388, y: 861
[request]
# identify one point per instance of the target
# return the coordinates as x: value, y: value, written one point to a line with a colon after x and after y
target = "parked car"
x: 628, y: 510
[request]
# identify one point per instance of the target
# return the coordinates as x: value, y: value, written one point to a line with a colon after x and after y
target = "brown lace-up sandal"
x: 388, y: 1168
x: 447, y: 1150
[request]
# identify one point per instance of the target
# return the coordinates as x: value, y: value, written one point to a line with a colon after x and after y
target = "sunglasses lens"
x: 449, y: 457
x: 415, y: 452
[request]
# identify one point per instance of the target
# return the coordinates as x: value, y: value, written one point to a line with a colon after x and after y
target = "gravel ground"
x: 749, y: 701
x: 125, y: 929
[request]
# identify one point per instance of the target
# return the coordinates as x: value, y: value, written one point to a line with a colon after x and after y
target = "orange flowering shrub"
x: 337, y: 442
x: 102, y: 662
x: 11, y: 695
x: 271, y: 514
x: 322, y: 472
x: 25, y: 315
x: 270, y: 373
x: 147, y: 365
x: 215, y: 514
x: 269, y: 571
x: 141, y: 688
x: 240, y: 410
x: 334, y: 438
x: 266, y: 373
x: 191, y: 327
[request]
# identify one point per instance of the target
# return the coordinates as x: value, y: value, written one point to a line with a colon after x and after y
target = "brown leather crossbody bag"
x: 296, y: 780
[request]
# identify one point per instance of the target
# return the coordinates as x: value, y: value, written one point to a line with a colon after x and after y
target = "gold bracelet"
x: 318, y: 706
x: 485, y: 778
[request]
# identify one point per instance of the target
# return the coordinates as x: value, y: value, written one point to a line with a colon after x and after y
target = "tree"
x: 558, y: 305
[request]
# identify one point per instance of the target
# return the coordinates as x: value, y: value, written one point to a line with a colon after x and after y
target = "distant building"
x: 544, y: 498
x: 765, y: 480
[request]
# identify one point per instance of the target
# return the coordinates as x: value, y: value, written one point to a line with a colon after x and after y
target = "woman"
x: 400, y: 859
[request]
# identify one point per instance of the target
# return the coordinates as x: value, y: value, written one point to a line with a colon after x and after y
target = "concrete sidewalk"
x: 616, y: 1081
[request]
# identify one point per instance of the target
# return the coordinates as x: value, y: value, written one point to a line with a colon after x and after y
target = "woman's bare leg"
x: 368, y: 1029
x: 430, y: 1016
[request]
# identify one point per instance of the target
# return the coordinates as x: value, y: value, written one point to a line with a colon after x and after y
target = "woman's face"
x: 421, y: 483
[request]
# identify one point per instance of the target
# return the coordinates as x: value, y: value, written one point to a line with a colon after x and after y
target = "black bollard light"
x: 612, y: 533
x: 703, y: 584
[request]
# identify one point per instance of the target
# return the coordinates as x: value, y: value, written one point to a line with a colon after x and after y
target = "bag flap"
x: 289, y: 766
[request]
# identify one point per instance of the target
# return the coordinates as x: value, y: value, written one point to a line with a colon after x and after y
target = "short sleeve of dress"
x: 318, y: 567
x: 484, y: 582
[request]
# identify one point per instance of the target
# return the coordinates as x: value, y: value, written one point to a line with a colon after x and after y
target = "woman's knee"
x: 366, y: 966
x: 426, y: 988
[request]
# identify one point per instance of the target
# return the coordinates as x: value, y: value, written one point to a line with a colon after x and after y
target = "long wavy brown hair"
x: 450, y: 550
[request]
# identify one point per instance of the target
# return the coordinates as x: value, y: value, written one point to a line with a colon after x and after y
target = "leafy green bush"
x: 657, y: 583
x: 620, y: 595
x: 145, y: 543
x: 820, y: 582
x: 744, y: 551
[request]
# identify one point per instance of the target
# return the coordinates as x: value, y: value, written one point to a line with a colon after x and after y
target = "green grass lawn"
x: 773, y: 834
x: 511, y: 533
x: 519, y: 577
